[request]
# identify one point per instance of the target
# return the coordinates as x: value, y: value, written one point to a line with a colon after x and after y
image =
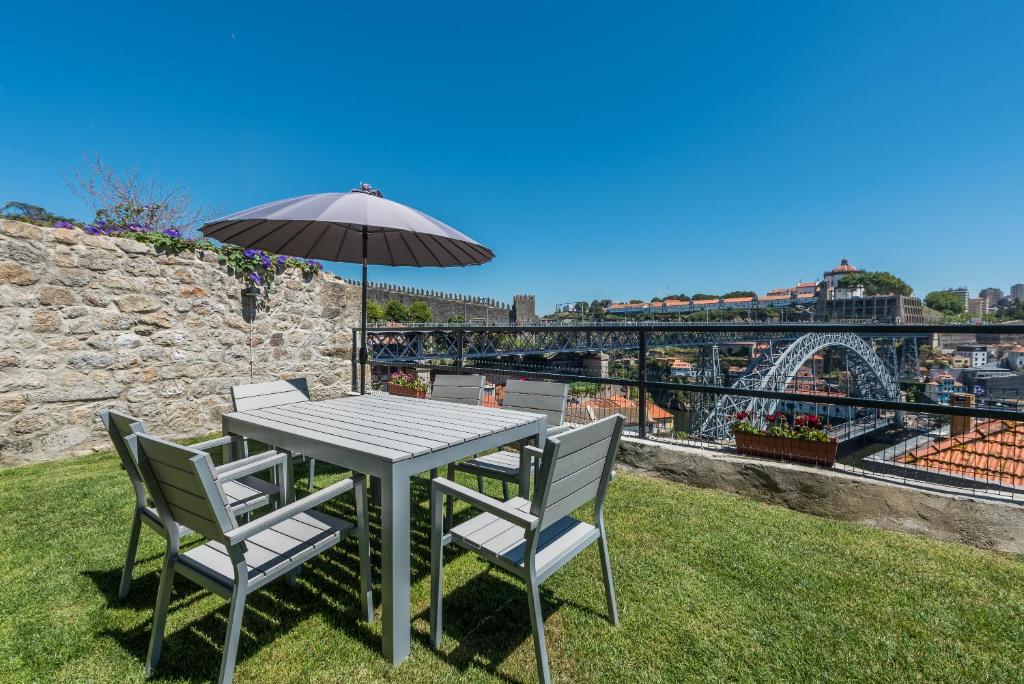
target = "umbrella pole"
x: 363, y: 354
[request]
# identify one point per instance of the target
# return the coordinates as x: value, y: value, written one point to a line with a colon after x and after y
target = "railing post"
x: 642, y: 399
x: 461, y: 343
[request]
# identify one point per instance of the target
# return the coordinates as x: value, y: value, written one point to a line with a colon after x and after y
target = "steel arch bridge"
x: 777, y: 366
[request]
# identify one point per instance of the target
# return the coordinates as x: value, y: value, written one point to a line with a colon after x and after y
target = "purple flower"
x: 250, y: 253
x: 265, y: 259
x: 282, y: 260
x: 172, y: 232
x: 255, y: 278
x: 63, y: 224
x: 310, y: 263
x: 93, y: 230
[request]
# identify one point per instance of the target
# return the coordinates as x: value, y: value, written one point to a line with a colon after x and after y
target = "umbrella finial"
x: 368, y: 189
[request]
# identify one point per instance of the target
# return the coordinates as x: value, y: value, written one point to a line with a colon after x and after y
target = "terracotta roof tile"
x: 993, y: 452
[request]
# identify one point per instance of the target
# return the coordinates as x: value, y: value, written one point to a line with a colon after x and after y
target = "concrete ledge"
x: 989, y: 525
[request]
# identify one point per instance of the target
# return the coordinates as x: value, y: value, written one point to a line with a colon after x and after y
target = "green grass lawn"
x: 711, y: 587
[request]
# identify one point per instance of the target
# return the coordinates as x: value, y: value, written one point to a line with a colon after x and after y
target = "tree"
x: 636, y: 301
x: 125, y: 199
x: 655, y: 299
x: 877, y: 283
x: 30, y: 213
x: 739, y: 293
x: 946, y: 303
x: 375, y: 313
x: 419, y: 312
x: 396, y: 311
x: 701, y: 295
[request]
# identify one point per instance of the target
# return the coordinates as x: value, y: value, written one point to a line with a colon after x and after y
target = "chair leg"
x: 234, y: 634
x: 163, y: 602
x: 129, y: 561
x: 436, y: 567
x: 609, y: 585
x: 537, y: 623
x: 312, y: 473
x: 504, y: 489
x: 365, y: 567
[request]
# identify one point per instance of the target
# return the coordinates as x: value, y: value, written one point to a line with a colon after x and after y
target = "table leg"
x: 394, y: 515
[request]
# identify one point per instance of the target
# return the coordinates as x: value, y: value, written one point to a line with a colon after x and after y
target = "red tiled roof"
x: 993, y: 451
x: 705, y: 301
x: 739, y: 299
x: 602, y: 407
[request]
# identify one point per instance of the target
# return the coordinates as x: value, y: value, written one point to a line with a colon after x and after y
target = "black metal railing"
x: 687, y: 382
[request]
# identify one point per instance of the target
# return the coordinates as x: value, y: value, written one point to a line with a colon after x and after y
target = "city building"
x: 975, y: 355
x: 682, y: 369
x: 828, y: 299
x: 942, y: 388
x: 1017, y: 291
x: 881, y: 308
x: 977, y: 306
x: 992, y: 295
x: 960, y: 292
x: 1015, y: 358
x: 834, y: 277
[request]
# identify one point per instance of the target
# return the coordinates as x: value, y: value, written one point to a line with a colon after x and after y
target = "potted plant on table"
x: 803, y: 441
x: 407, y: 384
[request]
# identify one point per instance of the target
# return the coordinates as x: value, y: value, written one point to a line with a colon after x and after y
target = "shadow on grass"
x: 328, y: 587
x: 487, y: 617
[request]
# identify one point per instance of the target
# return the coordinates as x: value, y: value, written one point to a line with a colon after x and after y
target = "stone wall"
x: 832, y: 493
x: 88, y: 322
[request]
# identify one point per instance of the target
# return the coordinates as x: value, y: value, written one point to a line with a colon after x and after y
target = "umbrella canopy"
x: 329, y: 227
x: 354, y: 227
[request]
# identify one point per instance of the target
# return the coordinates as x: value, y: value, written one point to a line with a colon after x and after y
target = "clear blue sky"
x: 601, y: 150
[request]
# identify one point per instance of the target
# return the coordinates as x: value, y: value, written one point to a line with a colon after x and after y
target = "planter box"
x: 786, y: 449
x: 400, y: 391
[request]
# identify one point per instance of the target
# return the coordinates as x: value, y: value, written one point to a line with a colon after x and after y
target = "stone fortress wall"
x: 89, y: 322
x: 444, y: 305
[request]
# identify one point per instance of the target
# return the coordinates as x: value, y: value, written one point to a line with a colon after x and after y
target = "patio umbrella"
x: 359, y: 226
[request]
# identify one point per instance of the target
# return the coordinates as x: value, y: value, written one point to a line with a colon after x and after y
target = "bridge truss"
x: 775, y: 368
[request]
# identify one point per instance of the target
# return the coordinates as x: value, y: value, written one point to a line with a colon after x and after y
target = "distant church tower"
x: 524, y: 309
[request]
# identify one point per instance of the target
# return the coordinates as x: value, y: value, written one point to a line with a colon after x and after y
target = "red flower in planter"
x: 742, y: 415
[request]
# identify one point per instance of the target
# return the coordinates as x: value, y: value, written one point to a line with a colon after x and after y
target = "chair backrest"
x: 266, y: 394
x: 459, y: 389
x: 548, y: 398
x: 184, y: 487
x: 122, y: 428
x: 575, y: 469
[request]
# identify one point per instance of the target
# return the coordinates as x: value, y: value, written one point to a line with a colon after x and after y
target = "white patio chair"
x: 548, y: 398
x: 238, y: 560
x: 242, y: 492
x: 533, y: 539
x: 274, y: 393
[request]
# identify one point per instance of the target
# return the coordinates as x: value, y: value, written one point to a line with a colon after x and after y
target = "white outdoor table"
x: 392, y: 438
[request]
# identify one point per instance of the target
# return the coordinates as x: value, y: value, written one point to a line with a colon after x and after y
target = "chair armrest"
x: 215, y: 442
x: 485, y: 503
x: 248, y: 466
x: 240, y: 534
